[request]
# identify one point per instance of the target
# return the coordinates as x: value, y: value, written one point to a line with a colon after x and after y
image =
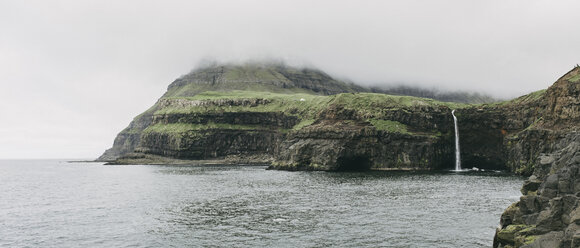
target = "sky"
x: 74, y: 73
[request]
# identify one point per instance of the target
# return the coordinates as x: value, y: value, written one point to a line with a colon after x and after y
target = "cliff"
x: 256, y: 112
x: 251, y: 78
x: 276, y: 128
x: 303, y: 119
x: 548, y: 213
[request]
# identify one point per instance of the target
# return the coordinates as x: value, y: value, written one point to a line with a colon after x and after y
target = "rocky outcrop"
x: 342, y: 138
x: 358, y: 148
x: 210, y: 135
x: 548, y: 213
x: 129, y: 139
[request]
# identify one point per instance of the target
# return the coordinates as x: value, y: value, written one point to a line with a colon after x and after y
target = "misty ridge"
x: 440, y: 95
x: 400, y: 89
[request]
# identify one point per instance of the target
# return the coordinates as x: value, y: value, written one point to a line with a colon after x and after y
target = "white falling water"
x: 457, y: 156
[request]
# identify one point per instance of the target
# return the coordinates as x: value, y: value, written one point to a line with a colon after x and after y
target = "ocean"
x: 55, y: 203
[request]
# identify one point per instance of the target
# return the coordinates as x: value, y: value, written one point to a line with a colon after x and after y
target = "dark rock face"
x: 210, y: 144
x: 340, y: 139
x: 127, y: 140
x: 481, y: 133
x: 548, y: 213
x: 549, y: 208
x: 236, y: 133
x: 263, y: 119
x: 360, y: 148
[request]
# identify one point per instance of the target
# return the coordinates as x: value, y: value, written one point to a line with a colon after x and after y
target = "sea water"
x: 51, y: 203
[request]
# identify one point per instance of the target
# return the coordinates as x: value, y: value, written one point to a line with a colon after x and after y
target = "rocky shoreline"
x: 548, y: 213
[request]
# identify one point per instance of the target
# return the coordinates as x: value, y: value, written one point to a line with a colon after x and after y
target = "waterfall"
x: 457, y: 154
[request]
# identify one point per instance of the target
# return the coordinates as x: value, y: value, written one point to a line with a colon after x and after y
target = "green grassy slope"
x: 370, y: 106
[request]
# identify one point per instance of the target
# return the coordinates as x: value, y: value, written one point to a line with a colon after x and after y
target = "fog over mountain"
x: 74, y: 73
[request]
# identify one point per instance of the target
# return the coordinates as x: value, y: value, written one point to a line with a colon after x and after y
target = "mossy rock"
x: 525, y: 240
x: 389, y: 126
x: 508, y: 234
x: 517, y: 235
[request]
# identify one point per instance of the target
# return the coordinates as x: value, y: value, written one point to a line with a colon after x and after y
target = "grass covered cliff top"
x: 301, y: 103
x: 373, y: 108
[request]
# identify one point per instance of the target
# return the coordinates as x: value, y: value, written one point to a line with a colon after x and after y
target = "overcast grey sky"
x: 74, y: 73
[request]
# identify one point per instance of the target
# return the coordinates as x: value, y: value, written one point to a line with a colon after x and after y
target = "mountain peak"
x: 272, y: 77
x: 572, y: 76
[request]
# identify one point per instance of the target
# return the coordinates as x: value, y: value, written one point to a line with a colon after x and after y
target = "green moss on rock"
x: 389, y: 126
x: 517, y: 235
x: 303, y: 123
x: 508, y: 234
x: 186, y: 127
